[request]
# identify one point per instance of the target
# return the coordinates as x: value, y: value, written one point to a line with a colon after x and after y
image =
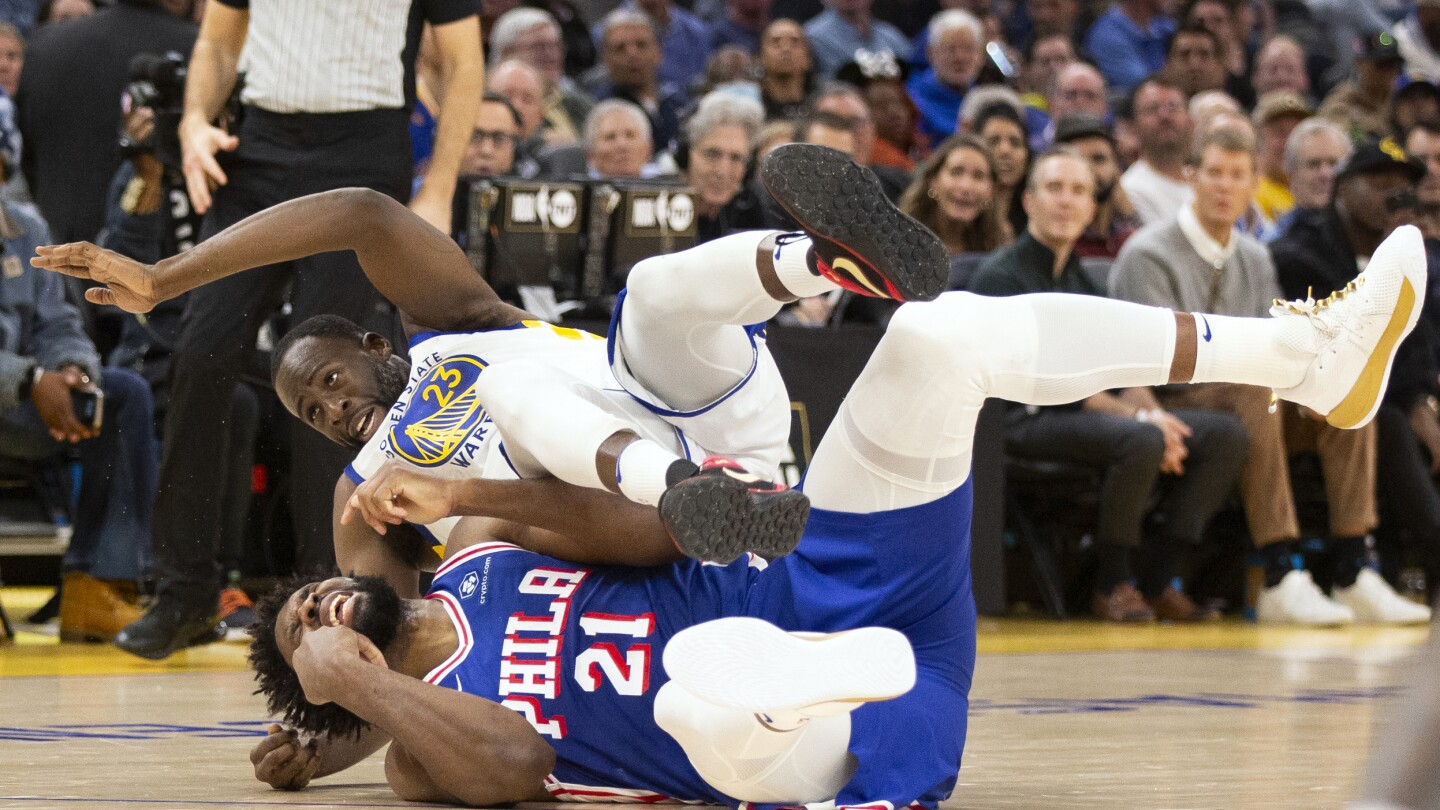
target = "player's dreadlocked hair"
x: 284, y: 696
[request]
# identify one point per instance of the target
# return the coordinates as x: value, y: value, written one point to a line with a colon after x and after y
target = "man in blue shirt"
x: 1129, y: 42
x: 629, y: 70
x: 845, y: 27
x: 684, y: 39
x: 955, y: 40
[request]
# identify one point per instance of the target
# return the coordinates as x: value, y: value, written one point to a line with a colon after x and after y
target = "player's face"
x: 339, y: 388
x: 367, y: 605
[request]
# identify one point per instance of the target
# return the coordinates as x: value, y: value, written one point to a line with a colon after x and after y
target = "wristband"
x: 27, y: 384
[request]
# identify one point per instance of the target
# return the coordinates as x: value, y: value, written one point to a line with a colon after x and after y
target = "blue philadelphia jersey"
x: 577, y: 651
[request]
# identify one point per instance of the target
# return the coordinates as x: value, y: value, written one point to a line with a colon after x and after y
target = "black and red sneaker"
x: 719, y: 510
x: 861, y: 241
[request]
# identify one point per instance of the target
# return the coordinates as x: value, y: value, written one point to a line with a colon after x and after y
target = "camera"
x: 157, y: 82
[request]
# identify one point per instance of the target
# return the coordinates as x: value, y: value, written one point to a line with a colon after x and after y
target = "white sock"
x: 794, y: 272
x: 640, y: 471
x: 1269, y: 352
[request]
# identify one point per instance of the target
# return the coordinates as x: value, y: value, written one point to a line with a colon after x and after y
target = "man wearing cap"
x: 49, y: 369
x: 1115, y: 218
x: 1374, y: 193
x: 1359, y: 104
x: 1276, y: 116
x: 1417, y: 37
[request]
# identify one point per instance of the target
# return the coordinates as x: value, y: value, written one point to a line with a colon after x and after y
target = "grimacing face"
x: 367, y: 605
x: 340, y: 388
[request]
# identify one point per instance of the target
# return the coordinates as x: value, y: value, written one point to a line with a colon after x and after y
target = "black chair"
x: 1046, y: 502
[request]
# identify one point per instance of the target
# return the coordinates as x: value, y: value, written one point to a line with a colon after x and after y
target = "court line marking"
x: 210, y: 802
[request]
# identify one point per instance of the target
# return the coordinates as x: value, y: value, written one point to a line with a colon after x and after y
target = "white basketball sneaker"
x: 1375, y: 602
x: 1354, y: 332
x: 753, y: 665
x: 1298, y: 600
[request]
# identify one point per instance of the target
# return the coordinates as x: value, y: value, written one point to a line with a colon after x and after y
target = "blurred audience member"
x: 1129, y: 41
x: 1423, y: 144
x: 1414, y: 101
x: 618, y: 141
x: 844, y: 101
x: 956, y: 41
x: 1374, y: 192
x: 523, y: 87
x: 1034, y: 20
x: 684, y: 39
x: 12, y: 58
x: 1275, y: 117
x: 722, y: 135
x: 578, y: 44
x: 742, y: 24
x: 1193, y: 62
x: 1280, y: 65
x: 499, y: 127
x: 728, y: 65
x: 54, y: 11
x: 1003, y: 130
x: 773, y: 134
x: 1223, y: 19
x: 844, y: 27
x: 1418, y: 40
x: 630, y: 61
x: 1048, y: 56
x: 1079, y: 89
x: 68, y: 107
x: 1156, y: 182
x: 954, y: 194
x: 1127, y: 437
x: 827, y: 129
x: 785, y: 69
x: 1115, y: 218
x: 1205, y: 107
x: 534, y: 37
x: 1358, y: 105
x: 1197, y: 261
x: 881, y: 78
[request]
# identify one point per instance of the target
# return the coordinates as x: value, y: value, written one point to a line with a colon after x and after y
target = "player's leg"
x: 554, y: 423
x: 903, y: 435
x: 764, y: 715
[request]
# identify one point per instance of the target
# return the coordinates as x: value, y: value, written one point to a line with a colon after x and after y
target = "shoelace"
x: 1327, y: 320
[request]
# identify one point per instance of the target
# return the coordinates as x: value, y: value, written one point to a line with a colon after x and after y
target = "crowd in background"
x: 1213, y: 156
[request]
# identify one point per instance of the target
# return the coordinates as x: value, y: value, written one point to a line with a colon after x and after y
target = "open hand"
x: 282, y: 762
x: 129, y: 284
x: 397, y: 495
x: 326, y: 656
x: 199, y: 143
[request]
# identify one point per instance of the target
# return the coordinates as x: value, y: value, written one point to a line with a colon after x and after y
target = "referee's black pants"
x: 280, y: 157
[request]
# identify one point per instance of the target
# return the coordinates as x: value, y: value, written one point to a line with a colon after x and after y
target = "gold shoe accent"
x: 1357, y: 405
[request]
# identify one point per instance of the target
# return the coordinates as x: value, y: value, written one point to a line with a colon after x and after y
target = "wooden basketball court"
x: 1064, y: 715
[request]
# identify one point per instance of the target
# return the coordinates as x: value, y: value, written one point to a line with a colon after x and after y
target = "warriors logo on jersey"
x: 443, y: 415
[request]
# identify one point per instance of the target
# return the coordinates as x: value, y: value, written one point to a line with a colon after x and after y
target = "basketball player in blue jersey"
x: 488, y: 392
x: 837, y: 674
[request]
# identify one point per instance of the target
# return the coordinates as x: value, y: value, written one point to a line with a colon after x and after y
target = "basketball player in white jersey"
x: 491, y: 393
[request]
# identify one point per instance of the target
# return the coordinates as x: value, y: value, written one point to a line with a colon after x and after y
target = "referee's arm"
x: 462, y: 72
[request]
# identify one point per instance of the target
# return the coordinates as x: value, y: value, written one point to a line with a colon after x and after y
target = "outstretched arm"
x: 419, y: 269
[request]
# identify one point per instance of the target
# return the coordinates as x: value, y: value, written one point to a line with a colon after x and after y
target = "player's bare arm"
x: 547, y: 516
x: 446, y: 745
x: 398, y: 557
x: 416, y: 267
x: 286, y: 760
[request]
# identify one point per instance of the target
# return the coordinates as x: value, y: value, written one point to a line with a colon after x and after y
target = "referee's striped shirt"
x: 328, y: 56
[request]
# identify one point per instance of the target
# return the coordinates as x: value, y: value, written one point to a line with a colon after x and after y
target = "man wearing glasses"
x: 491, y: 151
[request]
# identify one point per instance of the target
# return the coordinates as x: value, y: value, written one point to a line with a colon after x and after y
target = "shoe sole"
x: 841, y: 203
x: 753, y: 665
x: 712, y: 518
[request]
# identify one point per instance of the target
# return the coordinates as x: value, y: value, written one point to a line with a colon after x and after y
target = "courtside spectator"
x: 1129, y: 41
x: 684, y: 39
x: 786, y: 69
x: 534, y: 37
x: 1003, y: 130
x: 741, y: 25
x: 1280, y: 65
x: 493, y: 144
x: 629, y: 71
x: 881, y: 79
x: 722, y: 135
x: 1126, y: 436
x: 1276, y: 116
x: 579, y: 43
x: 1156, y: 182
x: 618, y: 142
x: 1198, y: 261
x: 1193, y: 62
x: 844, y: 27
x: 1115, y: 218
x: 12, y: 58
x: 954, y: 194
x: 1358, y: 105
x: 1423, y: 144
x: 955, y: 50
x: 1416, y: 100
